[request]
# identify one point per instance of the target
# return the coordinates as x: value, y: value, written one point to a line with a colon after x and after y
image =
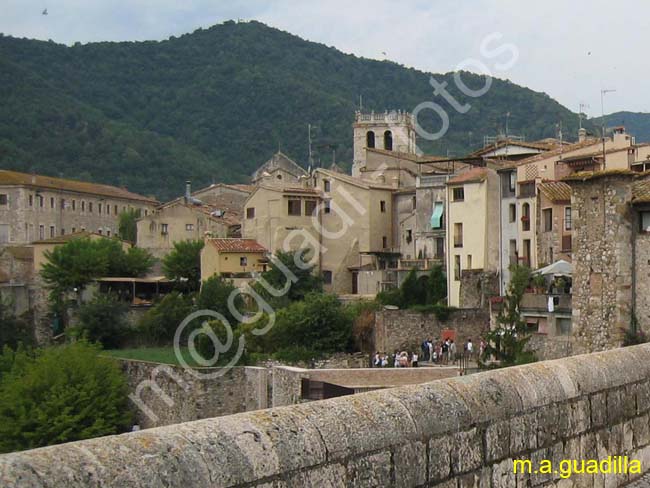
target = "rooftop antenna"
x: 581, y: 112
x: 603, y: 92
x: 507, y: 117
x: 311, y: 155
x: 559, y: 134
x: 360, y: 102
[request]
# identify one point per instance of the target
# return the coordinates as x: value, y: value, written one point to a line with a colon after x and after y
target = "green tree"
x: 103, y: 320
x: 508, y: 341
x: 302, y: 279
x: 319, y: 323
x: 127, y: 225
x: 62, y: 394
x: 183, y: 265
x: 214, y: 296
x: 437, y: 291
x: 159, y: 323
x: 13, y: 330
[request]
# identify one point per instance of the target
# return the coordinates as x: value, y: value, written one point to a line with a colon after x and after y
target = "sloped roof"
x: 236, y: 245
x: 281, y: 161
x: 39, y: 181
x: 361, y: 183
x: 556, y: 191
x: 543, y: 145
x: 416, y: 158
x: 474, y: 175
x: 559, y: 150
x: 641, y: 191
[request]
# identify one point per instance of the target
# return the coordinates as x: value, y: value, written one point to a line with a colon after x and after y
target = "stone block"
x: 641, y: 428
x: 369, y: 471
x: 497, y: 440
x: 552, y: 423
x: 523, y: 433
x: 410, y: 463
x: 329, y: 476
x: 579, y: 416
x: 439, y: 458
x: 503, y: 475
x: 477, y: 479
x: 598, y: 408
x: 466, y: 451
x: 642, y: 395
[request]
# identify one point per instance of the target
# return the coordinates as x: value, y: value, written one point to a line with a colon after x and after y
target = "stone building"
x: 611, y: 256
x: 554, y: 222
x: 36, y: 207
x: 214, y: 211
x: 280, y: 170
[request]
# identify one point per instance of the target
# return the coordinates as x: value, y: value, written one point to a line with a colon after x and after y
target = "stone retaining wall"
x: 457, y: 432
x: 406, y: 330
x: 173, y: 395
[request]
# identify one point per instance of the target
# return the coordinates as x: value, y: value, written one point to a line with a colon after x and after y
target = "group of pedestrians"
x: 402, y: 359
x: 444, y: 351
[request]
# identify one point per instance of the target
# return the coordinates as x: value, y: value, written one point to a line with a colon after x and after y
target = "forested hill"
x: 636, y: 123
x: 214, y: 104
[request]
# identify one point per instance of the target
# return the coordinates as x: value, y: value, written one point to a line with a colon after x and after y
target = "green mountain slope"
x: 636, y: 123
x: 214, y: 104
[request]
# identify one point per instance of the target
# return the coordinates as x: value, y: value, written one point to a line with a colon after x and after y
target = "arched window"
x: 388, y: 140
x: 370, y: 139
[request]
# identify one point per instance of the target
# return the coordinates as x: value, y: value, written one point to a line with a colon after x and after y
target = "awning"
x: 559, y: 268
x: 436, y: 218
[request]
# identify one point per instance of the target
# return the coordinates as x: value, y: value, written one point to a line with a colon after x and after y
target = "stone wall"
x: 583, y: 407
x: 406, y: 329
x: 173, y: 395
x: 477, y: 287
x: 602, y: 259
x: 551, y: 347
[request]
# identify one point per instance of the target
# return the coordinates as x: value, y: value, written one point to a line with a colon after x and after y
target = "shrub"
x: 61, y: 394
x: 13, y: 331
x: 214, y: 296
x: 183, y: 265
x: 227, y: 344
x: 390, y: 297
x: 102, y: 320
x: 159, y: 324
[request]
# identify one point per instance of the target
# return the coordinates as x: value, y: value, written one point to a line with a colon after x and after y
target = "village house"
x: 217, y: 213
x: 473, y: 244
x: 36, y: 207
x: 234, y: 259
x: 280, y: 170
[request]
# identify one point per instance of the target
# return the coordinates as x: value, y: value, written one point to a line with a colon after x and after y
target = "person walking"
x: 414, y: 360
x: 452, y: 351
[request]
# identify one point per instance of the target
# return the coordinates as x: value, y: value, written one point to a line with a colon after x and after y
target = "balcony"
x: 421, y: 264
x: 532, y: 302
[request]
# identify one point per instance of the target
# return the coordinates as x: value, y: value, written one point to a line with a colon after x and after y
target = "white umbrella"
x: 558, y: 268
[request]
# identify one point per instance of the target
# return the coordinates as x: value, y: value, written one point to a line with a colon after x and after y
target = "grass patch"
x: 163, y: 355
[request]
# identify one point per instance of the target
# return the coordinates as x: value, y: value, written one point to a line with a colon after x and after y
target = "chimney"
x: 188, y: 191
x: 582, y: 134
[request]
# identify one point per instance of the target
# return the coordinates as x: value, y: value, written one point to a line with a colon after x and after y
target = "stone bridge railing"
x: 458, y: 432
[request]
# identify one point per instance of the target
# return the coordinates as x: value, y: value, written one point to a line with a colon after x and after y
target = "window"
x: 513, y: 181
x: 568, y: 224
x: 163, y: 229
x: 52, y: 204
x: 108, y: 233
x: 388, y: 140
x: 414, y: 203
x: 382, y: 206
x: 83, y: 205
x: 458, y: 194
x: 525, y: 216
x: 469, y: 261
x: 384, y: 242
x: 99, y: 208
x: 31, y: 201
x: 512, y: 208
x: 458, y: 235
x: 327, y: 186
x: 90, y: 207
x: 74, y: 229
x: 279, y: 177
x: 457, y: 268
x: 294, y: 207
x: 513, y: 252
x: 547, y: 217
x: 409, y: 236
x: 63, y: 204
x: 326, y: 206
x: 370, y: 139
x: 115, y: 210
x: 4, y: 233
x: 440, y: 247
x: 41, y: 201
x: 99, y: 231
x: 62, y: 232
x: 41, y: 232
x: 243, y: 261
x: 644, y: 221
x: 250, y: 213
x: 310, y: 207
x: 327, y: 277
x: 52, y: 231
x: 189, y: 227
x: 527, y: 189
x: 108, y: 209
x: 3, y: 199
x: 563, y: 326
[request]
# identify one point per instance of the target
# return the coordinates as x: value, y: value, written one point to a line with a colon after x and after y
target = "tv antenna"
x: 581, y: 112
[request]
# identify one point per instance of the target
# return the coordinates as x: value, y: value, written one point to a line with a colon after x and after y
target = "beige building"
x: 473, y: 246
x: 280, y: 170
x: 36, y: 207
x: 236, y: 259
x: 213, y: 211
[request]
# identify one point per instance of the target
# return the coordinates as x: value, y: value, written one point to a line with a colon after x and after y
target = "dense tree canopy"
x: 183, y: 265
x: 214, y: 104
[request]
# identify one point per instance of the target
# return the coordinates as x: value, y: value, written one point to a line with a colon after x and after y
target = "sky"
x: 569, y: 49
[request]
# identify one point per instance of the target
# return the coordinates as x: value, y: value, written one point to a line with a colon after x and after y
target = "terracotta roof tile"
x: 39, y: 181
x: 474, y: 175
x: 556, y: 191
x: 641, y: 191
x: 237, y: 245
